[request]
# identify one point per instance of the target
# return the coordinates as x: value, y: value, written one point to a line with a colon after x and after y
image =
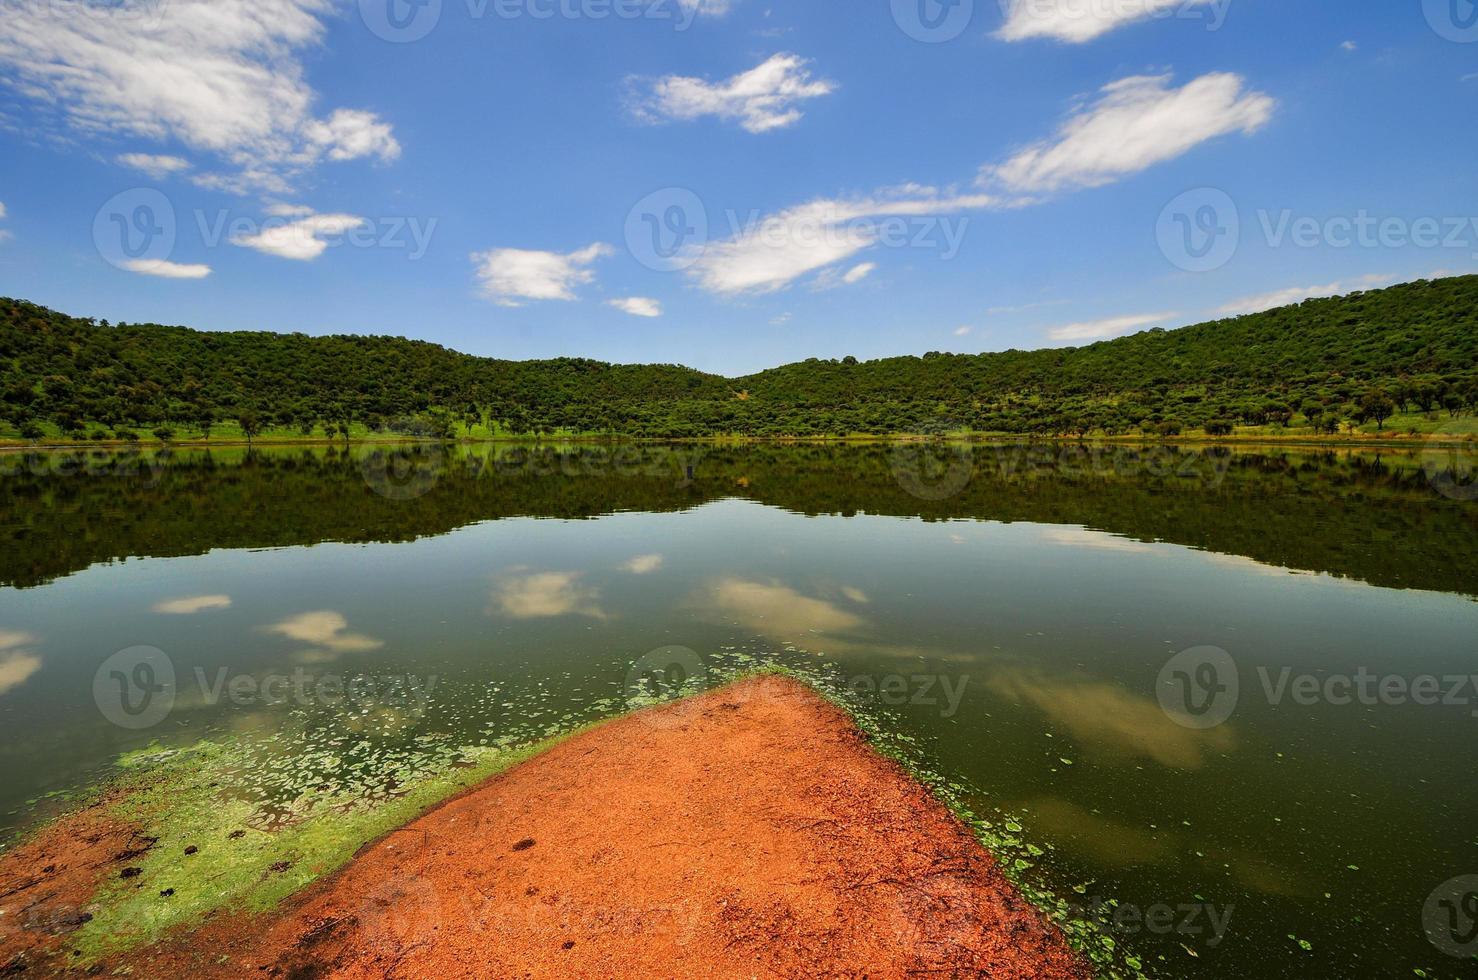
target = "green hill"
x: 1348, y: 360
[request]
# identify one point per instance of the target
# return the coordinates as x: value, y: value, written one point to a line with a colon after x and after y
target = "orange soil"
x: 47, y: 882
x: 750, y: 832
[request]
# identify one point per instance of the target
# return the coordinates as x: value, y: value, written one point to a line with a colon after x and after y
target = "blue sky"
x: 821, y: 179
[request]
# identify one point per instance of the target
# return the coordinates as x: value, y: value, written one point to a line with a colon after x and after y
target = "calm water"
x: 1018, y: 609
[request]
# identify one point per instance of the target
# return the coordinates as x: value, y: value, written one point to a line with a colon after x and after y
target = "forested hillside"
x: 1325, y: 363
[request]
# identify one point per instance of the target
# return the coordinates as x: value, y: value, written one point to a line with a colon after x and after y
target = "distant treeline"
x: 1325, y: 364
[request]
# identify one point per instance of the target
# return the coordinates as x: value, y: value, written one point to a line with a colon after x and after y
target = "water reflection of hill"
x: 1354, y: 515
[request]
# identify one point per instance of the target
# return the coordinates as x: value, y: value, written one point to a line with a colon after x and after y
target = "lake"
x: 1220, y: 701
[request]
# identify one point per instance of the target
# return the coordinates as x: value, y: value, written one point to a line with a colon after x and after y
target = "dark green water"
x: 1015, y: 611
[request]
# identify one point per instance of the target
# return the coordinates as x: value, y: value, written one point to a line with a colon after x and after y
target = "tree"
x: 251, y: 424
x: 164, y: 433
x: 1379, y: 406
x: 31, y: 430
x: 1218, y: 427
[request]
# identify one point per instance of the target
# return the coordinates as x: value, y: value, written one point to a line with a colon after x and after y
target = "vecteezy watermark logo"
x: 667, y: 230
x: 933, y: 21
x: 1203, y: 922
x: 932, y: 470
x: 665, y: 674
x: 1451, y: 466
x: 400, y: 21
x: 135, y: 228
x: 1200, y: 230
x: 135, y: 688
x: 1199, y: 688
x: 400, y: 911
x: 1450, y: 917
x: 1454, y: 20
x: 405, y: 472
x: 1365, y: 230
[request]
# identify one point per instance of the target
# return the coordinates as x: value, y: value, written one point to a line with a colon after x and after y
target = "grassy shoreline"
x: 1388, y: 440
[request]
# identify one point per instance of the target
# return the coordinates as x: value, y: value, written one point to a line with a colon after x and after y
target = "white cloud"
x: 716, y: 8
x: 4, y: 235
x: 10, y: 639
x: 1077, y: 21
x: 1350, y: 46
x: 1297, y: 294
x: 16, y: 663
x: 1025, y: 307
x: 189, y: 605
x: 781, y: 248
x: 158, y: 166
x: 301, y: 240
x: 1136, y: 123
x: 326, y: 629
x: 761, y: 99
x: 2, y: 209
x: 779, y: 612
x: 963, y: 331
x: 637, y: 306
x: 349, y: 134
x: 16, y: 668
x: 166, y: 270
x: 1103, y: 329
x: 288, y: 210
x: 510, y: 276
x: 643, y: 564
x: 1081, y: 537
x: 545, y: 595
x: 223, y: 77
x: 858, y: 273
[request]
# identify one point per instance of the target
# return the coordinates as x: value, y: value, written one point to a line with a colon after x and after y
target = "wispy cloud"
x: 302, y: 240
x: 512, y: 276
x: 189, y: 605
x: 1111, y: 721
x: 545, y: 595
x: 1297, y: 294
x: 155, y: 165
x: 643, y: 564
x: 326, y: 629
x: 780, y: 248
x: 221, y: 77
x: 762, y: 99
x: 637, y: 306
x: 1025, y: 307
x: 17, y: 664
x: 1103, y: 329
x: 1134, y: 124
x: 165, y: 269
x: 1078, y: 21
x: 783, y: 614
